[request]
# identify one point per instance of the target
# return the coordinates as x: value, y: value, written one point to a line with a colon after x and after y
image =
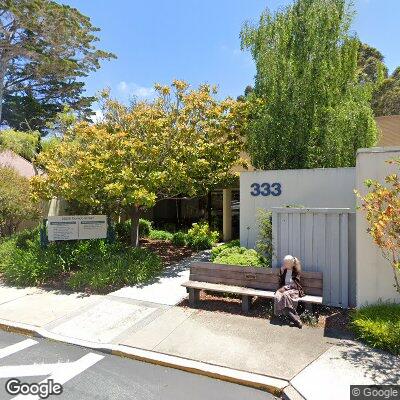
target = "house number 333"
x: 266, y: 189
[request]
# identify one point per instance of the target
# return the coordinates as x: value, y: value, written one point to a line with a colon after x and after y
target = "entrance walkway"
x: 166, y: 289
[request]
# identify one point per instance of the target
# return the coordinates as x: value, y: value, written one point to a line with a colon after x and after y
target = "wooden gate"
x: 320, y: 238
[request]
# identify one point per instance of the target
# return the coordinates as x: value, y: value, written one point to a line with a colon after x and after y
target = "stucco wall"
x: 374, y: 275
x: 321, y: 187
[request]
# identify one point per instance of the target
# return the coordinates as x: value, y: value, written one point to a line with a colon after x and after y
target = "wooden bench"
x: 248, y: 282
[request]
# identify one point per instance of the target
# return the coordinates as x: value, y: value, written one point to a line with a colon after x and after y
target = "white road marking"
x: 14, y: 348
x: 63, y: 372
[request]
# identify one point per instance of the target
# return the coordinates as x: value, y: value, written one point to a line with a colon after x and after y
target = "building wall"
x: 374, y: 275
x: 321, y: 187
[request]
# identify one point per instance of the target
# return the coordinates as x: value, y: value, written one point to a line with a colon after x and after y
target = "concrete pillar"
x: 227, y: 214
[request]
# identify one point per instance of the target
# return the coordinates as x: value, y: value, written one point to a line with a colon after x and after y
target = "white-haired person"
x: 290, y: 290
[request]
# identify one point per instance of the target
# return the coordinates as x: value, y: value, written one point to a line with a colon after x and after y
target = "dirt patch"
x: 168, y: 253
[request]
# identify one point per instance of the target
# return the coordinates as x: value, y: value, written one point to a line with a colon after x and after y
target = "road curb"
x: 269, y: 384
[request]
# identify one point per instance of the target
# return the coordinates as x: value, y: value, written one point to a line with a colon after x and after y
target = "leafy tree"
x: 386, y: 96
x: 45, y: 47
x: 15, y: 203
x: 371, y: 66
x: 23, y: 143
x: 382, y: 208
x: 184, y: 143
x: 306, y: 84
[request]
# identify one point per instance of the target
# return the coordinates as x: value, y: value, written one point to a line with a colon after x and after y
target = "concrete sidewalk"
x: 318, y: 365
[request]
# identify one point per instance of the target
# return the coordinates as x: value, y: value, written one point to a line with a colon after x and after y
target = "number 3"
x: 278, y: 189
x: 256, y: 189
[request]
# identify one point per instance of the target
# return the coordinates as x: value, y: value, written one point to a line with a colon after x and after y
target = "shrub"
x: 16, y: 205
x: 123, y: 229
x: 264, y: 244
x: 160, y: 235
x: 115, y: 267
x: 94, y: 264
x: 179, y: 239
x: 215, y: 251
x: 379, y: 326
x: 200, y: 236
x: 240, y: 256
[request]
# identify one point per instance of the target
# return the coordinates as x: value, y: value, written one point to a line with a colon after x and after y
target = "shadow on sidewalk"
x: 378, y: 365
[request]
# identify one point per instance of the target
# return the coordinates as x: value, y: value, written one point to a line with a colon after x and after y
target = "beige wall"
x: 374, y: 274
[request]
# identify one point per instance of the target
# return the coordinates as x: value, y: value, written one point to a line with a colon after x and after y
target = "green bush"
x: 379, y: 326
x: 123, y: 229
x: 200, y: 236
x: 216, y: 250
x: 179, y: 239
x: 240, y: 256
x: 94, y: 264
x: 115, y: 267
x: 160, y: 235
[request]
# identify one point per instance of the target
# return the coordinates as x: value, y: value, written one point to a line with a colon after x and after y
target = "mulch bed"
x: 169, y: 253
x: 330, y: 318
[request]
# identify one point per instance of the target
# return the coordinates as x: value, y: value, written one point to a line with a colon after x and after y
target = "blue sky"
x: 198, y: 41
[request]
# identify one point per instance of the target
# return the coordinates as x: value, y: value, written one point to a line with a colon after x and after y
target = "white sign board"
x: 74, y: 227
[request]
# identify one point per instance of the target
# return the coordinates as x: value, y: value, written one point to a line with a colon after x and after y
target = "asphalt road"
x: 87, y: 374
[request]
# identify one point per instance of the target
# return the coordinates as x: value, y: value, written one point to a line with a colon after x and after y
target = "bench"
x: 248, y: 282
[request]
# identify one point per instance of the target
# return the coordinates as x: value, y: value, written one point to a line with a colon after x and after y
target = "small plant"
x: 240, y: 256
x: 264, y: 244
x: 123, y: 229
x: 201, y: 237
x: 309, y: 318
x: 216, y: 250
x: 179, y: 239
x: 379, y: 326
x: 160, y: 235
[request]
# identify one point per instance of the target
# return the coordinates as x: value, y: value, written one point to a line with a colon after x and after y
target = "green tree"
x: 386, y: 96
x: 16, y: 205
x: 306, y: 83
x: 23, y: 143
x: 45, y: 47
x: 184, y: 143
x: 371, y: 65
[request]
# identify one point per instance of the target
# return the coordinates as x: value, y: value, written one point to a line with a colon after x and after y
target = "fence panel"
x: 320, y: 238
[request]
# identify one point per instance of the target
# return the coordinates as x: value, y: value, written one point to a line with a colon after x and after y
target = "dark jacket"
x: 295, y: 279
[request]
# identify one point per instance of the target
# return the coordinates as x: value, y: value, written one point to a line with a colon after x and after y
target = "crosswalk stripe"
x: 14, y: 348
x: 66, y: 371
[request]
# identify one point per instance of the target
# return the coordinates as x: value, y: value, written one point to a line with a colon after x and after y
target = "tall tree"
x: 45, y: 47
x: 308, y: 108
x: 185, y: 142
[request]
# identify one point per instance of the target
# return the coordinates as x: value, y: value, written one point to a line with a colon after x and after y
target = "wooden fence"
x: 320, y: 238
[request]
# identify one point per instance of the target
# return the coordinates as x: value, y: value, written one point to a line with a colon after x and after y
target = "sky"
x: 157, y: 41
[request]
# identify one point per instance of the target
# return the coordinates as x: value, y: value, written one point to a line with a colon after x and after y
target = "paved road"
x: 87, y: 375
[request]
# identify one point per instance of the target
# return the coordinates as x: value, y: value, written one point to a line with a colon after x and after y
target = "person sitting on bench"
x: 290, y: 290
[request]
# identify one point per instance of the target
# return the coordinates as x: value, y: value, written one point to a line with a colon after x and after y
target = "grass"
x: 379, y: 326
x: 240, y: 256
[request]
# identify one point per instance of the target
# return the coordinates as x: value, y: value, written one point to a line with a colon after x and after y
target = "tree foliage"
x: 23, y: 143
x: 382, y: 209
x: 385, y: 88
x: 45, y: 48
x: 15, y: 203
x: 184, y: 143
x: 306, y: 89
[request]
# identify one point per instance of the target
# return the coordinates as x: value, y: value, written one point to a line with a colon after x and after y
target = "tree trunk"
x: 209, y: 209
x: 2, y: 76
x: 134, y: 215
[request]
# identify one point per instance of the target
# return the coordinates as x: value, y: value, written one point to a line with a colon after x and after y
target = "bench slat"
x: 213, y: 287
